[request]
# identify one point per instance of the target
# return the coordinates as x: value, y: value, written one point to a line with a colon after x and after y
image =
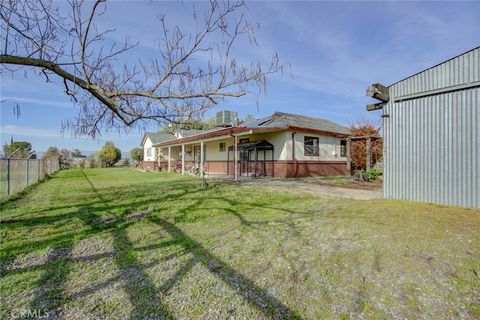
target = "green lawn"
x: 117, y: 243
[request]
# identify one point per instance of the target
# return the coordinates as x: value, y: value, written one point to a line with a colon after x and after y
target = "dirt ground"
x: 360, y: 192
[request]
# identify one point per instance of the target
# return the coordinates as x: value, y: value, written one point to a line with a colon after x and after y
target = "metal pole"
x: 8, y: 176
x: 235, y: 156
x: 28, y: 163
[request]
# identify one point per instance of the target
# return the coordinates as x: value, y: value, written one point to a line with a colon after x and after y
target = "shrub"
x: 368, y: 175
x: 374, y: 173
x: 81, y: 164
x: 51, y: 153
x: 109, y: 154
x: 136, y: 154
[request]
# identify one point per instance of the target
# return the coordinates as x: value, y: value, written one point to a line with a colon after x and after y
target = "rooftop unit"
x: 226, y: 118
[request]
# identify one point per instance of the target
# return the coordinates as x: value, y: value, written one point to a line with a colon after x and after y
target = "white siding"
x: 146, y: 145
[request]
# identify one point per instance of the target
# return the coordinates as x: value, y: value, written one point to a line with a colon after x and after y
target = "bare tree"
x: 65, y: 41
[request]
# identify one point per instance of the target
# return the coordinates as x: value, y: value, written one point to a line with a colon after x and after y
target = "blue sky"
x: 332, y: 51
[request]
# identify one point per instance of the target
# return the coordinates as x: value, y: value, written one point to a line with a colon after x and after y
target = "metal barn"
x: 431, y: 123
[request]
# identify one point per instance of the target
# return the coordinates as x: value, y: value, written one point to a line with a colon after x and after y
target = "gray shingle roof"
x: 276, y: 120
x: 157, y: 137
x: 282, y: 119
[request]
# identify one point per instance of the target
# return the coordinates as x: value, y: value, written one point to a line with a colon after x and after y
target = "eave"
x: 229, y: 132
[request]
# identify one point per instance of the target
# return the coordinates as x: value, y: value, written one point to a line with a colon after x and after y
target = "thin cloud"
x: 43, y: 102
x: 29, y: 132
x: 10, y: 129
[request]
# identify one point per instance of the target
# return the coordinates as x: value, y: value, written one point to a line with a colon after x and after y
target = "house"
x: 431, y: 125
x: 280, y: 145
x: 150, y: 153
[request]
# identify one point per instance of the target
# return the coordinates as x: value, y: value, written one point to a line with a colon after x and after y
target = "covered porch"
x: 244, y: 155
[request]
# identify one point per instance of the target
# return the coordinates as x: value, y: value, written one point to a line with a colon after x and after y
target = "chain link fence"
x: 17, y: 174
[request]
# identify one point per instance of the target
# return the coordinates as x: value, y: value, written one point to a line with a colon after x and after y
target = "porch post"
x: 169, y: 159
x: 256, y: 162
x: 349, y: 159
x: 369, y: 159
x: 183, y: 159
x: 235, y: 155
x: 264, y: 163
x: 201, y: 158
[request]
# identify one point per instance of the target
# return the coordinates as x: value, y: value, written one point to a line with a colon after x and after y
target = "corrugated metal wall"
x: 460, y: 70
x: 432, y: 143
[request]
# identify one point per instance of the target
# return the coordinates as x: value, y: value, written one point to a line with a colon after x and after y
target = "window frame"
x: 343, y: 148
x: 220, y: 145
x: 313, y: 154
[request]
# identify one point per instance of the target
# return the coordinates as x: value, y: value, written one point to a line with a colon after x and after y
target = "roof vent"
x: 226, y: 118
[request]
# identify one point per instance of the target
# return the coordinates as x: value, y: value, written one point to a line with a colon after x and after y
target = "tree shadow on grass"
x: 49, y: 294
x: 144, y: 295
x: 259, y: 298
x: 141, y: 290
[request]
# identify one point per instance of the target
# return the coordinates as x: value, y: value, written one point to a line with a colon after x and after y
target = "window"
x: 222, y: 147
x: 244, y: 140
x: 311, y: 146
x: 343, y: 148
x: 149, y: 152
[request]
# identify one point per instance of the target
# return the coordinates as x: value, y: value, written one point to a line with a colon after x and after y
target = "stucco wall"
x: 282, y: 142
x: 329, y: 148
x: 277, y: 139
x: 213, y: 150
